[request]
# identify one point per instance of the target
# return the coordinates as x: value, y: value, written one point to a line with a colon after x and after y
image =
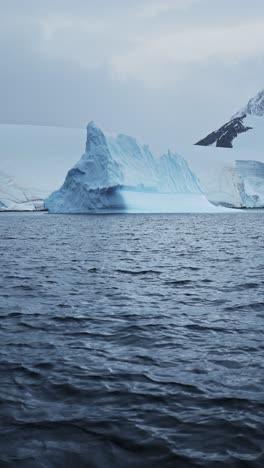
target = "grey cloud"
x: 68, y: 79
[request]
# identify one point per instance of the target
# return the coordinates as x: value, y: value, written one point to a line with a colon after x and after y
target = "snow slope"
x: 15, y: 198
x: 254, y: 107
x: 244, y: 130
x: 118, y: 174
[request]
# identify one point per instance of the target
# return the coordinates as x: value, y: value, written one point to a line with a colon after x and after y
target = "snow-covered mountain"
x: 15, y: 198
x: 244, y: 129
x: 254, y: 107
x: 118, y: 174
x: 229, y: 161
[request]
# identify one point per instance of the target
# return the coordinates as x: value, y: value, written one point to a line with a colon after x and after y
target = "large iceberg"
x: 117, y: 174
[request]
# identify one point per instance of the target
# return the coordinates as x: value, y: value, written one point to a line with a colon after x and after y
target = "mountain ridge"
x: 242, y: 122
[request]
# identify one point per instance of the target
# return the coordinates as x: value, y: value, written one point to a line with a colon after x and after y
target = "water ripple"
x: 132, y: 341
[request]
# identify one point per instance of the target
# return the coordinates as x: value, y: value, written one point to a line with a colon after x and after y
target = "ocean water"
x: 132, y: 341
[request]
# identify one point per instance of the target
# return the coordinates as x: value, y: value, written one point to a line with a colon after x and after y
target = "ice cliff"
x: 228, y: 178
x: 118, y: 174
x: 251, y: 174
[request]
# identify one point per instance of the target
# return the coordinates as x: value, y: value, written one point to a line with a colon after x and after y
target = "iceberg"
x: 251, y: 174
x: 230, y: 178
x: 117, y: 174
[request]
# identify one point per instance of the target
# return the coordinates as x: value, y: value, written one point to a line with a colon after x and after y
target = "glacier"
x: 231, y: 178
x: 15, y: 198
x: 118, y: 174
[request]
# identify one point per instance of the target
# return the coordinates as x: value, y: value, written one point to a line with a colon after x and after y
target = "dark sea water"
x: 132, y: 341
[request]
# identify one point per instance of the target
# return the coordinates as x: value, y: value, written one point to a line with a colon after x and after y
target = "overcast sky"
x: 161, y: 70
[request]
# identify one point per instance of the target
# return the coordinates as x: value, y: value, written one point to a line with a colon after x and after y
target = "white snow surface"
x: 15, y: 198
x: 118, y: 174
x: 229, y: 177
x: 254, y: 107
x: 252, y: 140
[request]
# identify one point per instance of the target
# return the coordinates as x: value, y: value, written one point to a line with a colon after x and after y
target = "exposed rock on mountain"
x: 248, y: 120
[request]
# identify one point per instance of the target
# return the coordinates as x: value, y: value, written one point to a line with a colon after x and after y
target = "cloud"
x: 148, y: 67
x: 136, y: 41
x: 164, y: 57
x: 154, y: 8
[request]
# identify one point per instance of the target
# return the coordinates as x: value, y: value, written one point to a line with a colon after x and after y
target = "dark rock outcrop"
x: 225, y: 135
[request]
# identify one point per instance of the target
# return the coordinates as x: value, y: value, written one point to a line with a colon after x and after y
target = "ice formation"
x: 251, y: 174
x: 228, y: 178
x: 118, y: 174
